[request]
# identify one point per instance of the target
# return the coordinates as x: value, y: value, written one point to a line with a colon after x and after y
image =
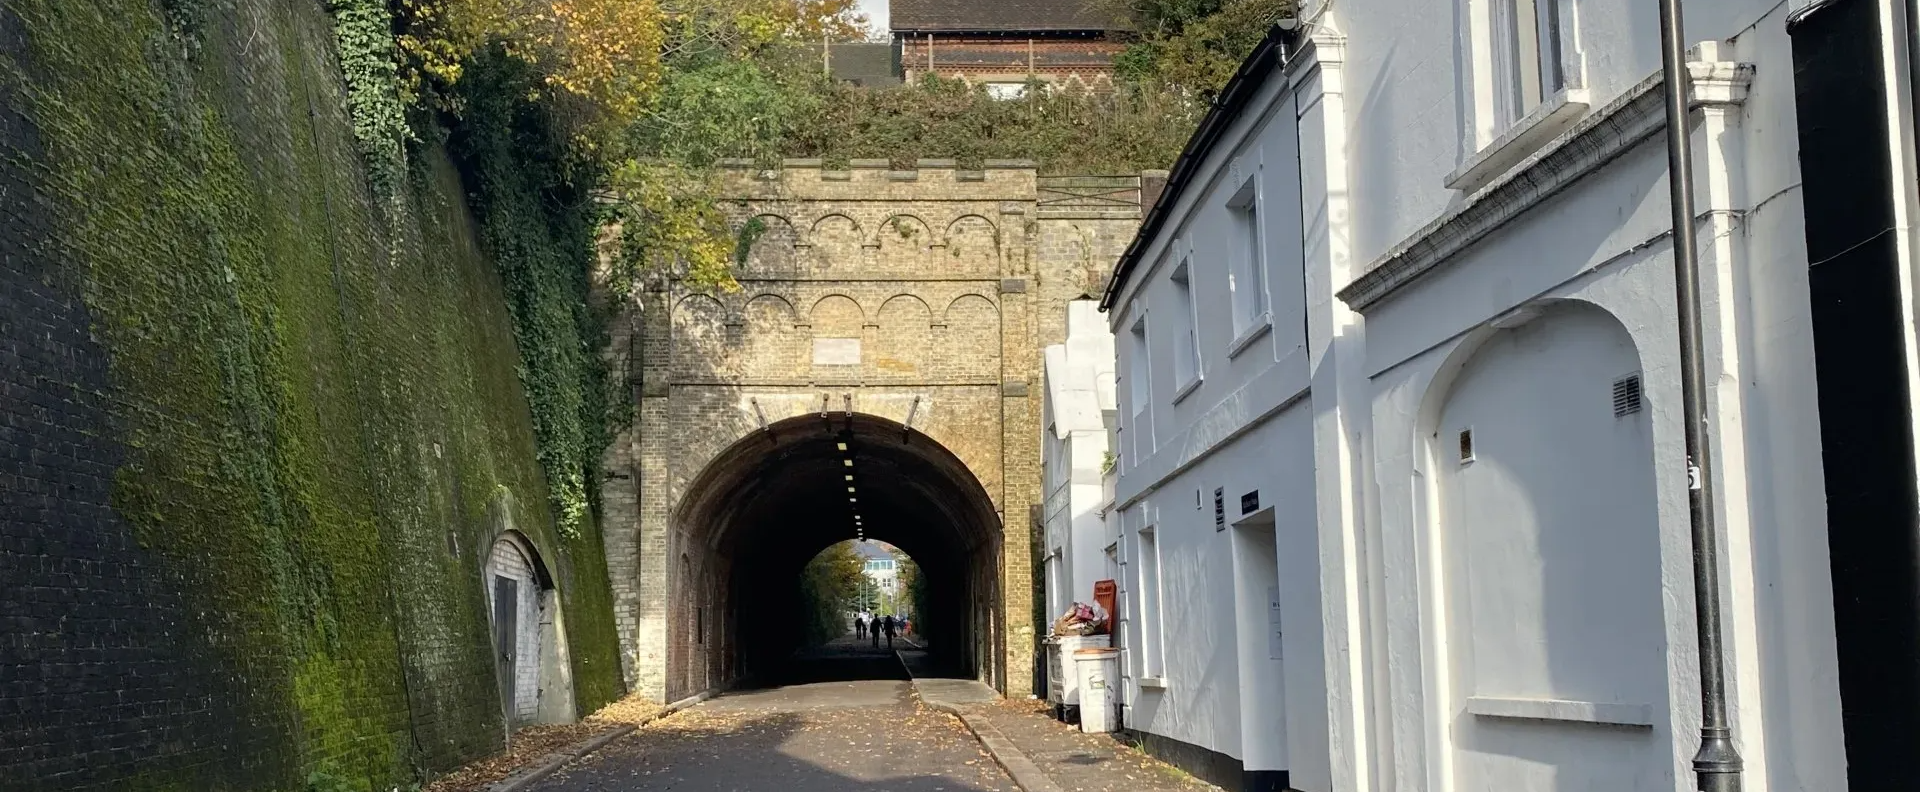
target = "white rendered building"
x: 885, y: 574
x: 1402, y: 488
x: 1079, y: 419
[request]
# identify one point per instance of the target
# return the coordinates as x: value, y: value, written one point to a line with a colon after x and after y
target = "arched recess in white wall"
x: 529, y: 635
x: 1547, y: 596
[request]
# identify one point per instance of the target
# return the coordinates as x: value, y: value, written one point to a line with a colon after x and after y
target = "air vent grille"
x: 1626, y: 396
x: 1466, y: 445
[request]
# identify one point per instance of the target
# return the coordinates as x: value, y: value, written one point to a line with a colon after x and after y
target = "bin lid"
x: 1096, y: 651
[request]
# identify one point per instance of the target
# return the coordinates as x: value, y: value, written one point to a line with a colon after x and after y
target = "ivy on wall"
x: 326, y: 411
x: 539, y: 224
x: 369, y: 60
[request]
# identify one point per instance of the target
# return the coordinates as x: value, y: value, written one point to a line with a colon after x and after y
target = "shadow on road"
x: 845, y: 659
x: 889, y: 748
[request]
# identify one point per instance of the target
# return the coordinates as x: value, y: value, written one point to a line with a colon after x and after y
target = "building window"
x: 1153, y: 661
x: 1248, y: 280
x: 1526, y: 57
x: 1186, y: 352
x: 1139, y: 390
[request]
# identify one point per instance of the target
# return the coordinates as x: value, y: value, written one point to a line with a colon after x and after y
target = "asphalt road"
x: 850, y: 734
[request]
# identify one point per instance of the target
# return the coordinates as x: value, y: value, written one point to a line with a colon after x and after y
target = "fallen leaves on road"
x: 634, y: 710
x: 528, y: 746
x: 797, y: 748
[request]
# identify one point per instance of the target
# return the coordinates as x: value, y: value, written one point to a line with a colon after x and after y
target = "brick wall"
x: 951, y: 282
x: 258, y: 429
x: 977, y: 59
x: 93, y: 665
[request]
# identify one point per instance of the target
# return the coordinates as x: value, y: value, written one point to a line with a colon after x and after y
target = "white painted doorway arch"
x: 529, y: 635
x: 1550, y: 578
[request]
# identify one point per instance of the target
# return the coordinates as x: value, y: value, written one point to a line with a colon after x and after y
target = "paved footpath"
x: 855, y: 736
x: 1043, y: 754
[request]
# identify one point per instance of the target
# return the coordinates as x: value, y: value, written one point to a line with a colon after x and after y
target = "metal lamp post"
x: 1717, y: 764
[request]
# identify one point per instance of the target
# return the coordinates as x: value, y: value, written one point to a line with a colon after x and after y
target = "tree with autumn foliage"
x: 830, y: 585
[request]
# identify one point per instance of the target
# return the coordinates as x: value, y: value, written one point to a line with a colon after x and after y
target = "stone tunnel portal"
x: 769, y: 503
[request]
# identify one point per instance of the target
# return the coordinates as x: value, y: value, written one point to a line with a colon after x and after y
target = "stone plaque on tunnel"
x: 836, y: 351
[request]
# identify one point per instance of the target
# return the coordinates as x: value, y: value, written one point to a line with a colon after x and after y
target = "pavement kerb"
x: 549, y: 764
x: 1025, y: 774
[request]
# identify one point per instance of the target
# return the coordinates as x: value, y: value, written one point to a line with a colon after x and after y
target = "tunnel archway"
x: 757, y: 513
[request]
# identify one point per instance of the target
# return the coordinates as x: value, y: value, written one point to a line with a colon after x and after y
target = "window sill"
x: 1187, y: 389
x: 1520, y: 141
x: 1261, y: 327
x: 1153, y: 683
x: 1637, y: 715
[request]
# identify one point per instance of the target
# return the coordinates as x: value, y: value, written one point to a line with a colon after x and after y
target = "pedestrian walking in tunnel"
x: 887, y: 625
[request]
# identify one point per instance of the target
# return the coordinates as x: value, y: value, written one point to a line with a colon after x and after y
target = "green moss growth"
x: 320, y: 391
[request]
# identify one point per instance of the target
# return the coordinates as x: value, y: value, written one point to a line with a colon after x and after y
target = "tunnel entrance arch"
x: 762, y: 508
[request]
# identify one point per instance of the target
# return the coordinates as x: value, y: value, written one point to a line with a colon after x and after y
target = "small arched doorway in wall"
x: 1548, y: 540
x: 767, y: 505
x: 532, y: 666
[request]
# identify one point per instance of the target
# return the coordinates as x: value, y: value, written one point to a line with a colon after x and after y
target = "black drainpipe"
x: 1860, y: 339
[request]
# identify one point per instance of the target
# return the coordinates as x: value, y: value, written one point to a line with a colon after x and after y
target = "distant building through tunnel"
x: 900, y: 313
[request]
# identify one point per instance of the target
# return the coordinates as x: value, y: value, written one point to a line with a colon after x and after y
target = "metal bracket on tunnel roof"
x: 760, y: 415
x: 906, y: 430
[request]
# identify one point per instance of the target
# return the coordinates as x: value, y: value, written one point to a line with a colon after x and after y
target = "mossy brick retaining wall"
x: 258, y: 428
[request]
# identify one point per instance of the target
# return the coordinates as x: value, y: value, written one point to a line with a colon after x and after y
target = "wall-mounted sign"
x: 836, y: 351
x: 1250, y: 502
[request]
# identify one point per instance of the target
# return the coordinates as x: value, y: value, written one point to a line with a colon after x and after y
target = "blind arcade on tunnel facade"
x: 905, y: 310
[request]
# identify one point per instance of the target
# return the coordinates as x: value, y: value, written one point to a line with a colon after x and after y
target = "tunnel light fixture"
x: 851, y: 499
x: 847, y: 462
x: 849, y: 476
x: 849, y: 489
x: 843, y: 446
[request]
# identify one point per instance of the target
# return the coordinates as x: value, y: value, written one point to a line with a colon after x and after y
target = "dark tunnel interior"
x: 767, y: 505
